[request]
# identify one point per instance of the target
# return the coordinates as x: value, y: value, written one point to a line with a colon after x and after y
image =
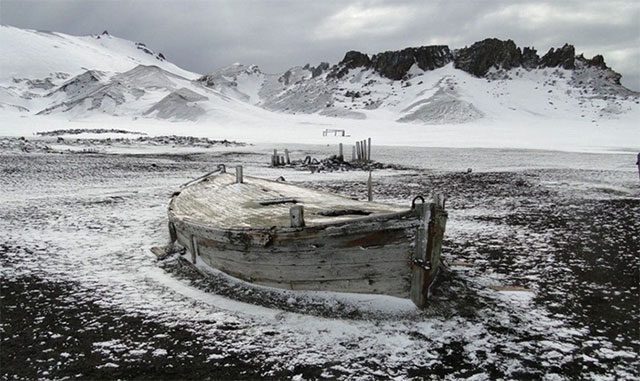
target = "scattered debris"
x: 78, y: 131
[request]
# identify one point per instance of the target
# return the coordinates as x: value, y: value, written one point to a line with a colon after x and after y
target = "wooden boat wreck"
x: 280, y: 235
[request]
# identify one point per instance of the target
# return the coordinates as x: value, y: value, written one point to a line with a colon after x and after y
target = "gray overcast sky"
x: 205, y: 35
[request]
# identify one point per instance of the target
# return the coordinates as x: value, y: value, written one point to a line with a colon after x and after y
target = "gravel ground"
x: 541, y: 282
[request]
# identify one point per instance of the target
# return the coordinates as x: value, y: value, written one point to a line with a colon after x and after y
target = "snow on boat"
x: 280, y: 235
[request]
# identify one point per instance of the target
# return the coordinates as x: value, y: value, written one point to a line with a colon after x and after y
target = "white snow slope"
x: 53, y: 81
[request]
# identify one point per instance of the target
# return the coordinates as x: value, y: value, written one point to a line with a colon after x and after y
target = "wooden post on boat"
x: 436, y: 234
x: 340, y: 155
x: 239, y: 179
x: 419, y: 271
x: 369, y: 150
x: 428, y: 247
x: 297, y: 216
x: 369, y: 188
x: 194, y: 248
x: 286, y: 155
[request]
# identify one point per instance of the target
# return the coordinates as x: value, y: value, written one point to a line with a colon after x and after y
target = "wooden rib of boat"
x: 280, y: 235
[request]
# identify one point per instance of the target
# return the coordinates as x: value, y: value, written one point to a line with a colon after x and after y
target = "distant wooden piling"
x: 353, y: 153
x: 369, y: 188
x: 340, y: 154
x: 239, y: 178
x: 357, y: 151
x: 286, y: 156
x: 296, y: 213
x: 369, y: 150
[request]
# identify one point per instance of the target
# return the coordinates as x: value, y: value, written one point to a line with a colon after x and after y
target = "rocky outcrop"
x: 596, y: 61
x: 316, y: 71
x: 563, y: 57
x: 530, y: 59
x: 396, y: 64
x: 478, y: 58
x: 354, y: 59
x: 351, y: 60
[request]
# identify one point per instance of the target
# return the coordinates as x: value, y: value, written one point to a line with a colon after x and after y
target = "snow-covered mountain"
x: 436, y: 85
x: 490, y: 87
x: 45, y: 73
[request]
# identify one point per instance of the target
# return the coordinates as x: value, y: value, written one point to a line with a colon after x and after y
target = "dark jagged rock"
x: 563, y: 57
x: 285, y: 77
x: 351, y: 60
x: 478, y: 58
x: 354, y: 59
x: 530, y: 59
x: 324, y: 66
x: 396, y: 64
x: 596, y: 61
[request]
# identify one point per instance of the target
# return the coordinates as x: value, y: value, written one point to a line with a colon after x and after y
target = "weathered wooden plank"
x: 383, y: 270
x: 264, y: 237
x: 306, y: 271
x: 400, y: 251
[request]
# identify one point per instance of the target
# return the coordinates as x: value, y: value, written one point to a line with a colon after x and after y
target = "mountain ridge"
x: 81, y: 77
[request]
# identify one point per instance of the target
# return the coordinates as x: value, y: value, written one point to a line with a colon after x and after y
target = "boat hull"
x: 366, y: 256
x: 395, y: 254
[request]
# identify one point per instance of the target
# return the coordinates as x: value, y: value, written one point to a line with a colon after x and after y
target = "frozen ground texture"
x: 53, y: 81
x: 542, y: 281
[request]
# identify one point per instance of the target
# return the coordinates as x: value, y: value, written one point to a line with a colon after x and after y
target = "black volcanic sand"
x: 576, y: 247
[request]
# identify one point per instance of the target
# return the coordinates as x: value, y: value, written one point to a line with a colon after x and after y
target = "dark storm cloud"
x: 205, y: 35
